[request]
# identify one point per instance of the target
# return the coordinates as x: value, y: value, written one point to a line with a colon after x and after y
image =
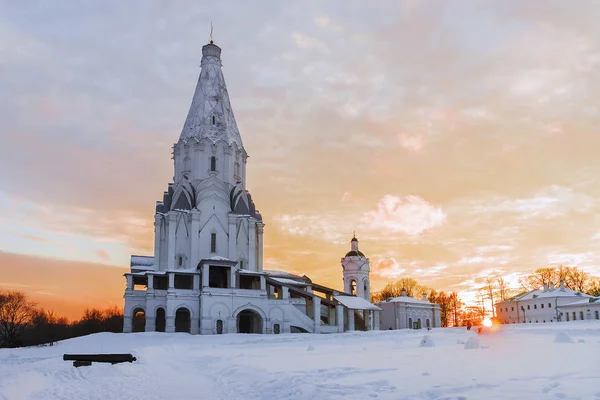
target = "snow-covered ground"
x: 518, y: 362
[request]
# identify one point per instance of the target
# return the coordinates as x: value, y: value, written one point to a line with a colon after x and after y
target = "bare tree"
x: 576, y: 279
x: 490, y: 286
x: 16, y: 312
x: 573, y: 278
x: 503, y: 289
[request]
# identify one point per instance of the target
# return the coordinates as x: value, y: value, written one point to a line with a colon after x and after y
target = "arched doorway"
x: 161, y: 320
x: 139, y: 320
x: 182, y: 320
x: 219, y: 327
x: 249, y: 321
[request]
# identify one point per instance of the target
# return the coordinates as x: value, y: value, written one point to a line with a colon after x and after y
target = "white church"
x: 206, y: 275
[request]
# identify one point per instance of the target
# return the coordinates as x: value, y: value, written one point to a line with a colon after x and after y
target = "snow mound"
x: 580, y: 341
x: 426, y: 342
x: 460, y: 342
x: 562, y: 337
x: 310, y: 348
x: 472, y: 343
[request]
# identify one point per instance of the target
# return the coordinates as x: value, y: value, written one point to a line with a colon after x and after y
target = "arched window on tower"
x: 353, y: 287
x: 213, y: 163
x: 214, y: 120
x: 213, y: 242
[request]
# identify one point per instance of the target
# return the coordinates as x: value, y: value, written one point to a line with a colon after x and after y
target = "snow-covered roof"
x: 287, y: 281
x: 586, y: 301
x: 549, y: 293
x: 142, y: 262
x: 356, y: 303
x: 210, y: 114
x: 407, y: 299
x: 218, y: 258
x: 279, y: 273
x: 247, y: 272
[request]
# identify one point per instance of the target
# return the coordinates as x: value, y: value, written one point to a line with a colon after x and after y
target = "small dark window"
x: 597, y: 315
x: 512, y: 309
x: 528, y: 307
x: 581, y: 315
x: 219, y: 327
x: 214, y: 120
x: 180, y: 261
x: 574, y: 316
x: 241, y: 264
x: 549, y: 305
x: 213, y: 242
x: 213, y: 163
x: 542, y: 305
x: 276, y: 329
x: 535, y: 306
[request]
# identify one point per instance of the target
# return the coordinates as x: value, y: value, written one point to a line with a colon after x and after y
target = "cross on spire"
x: 211, y: 32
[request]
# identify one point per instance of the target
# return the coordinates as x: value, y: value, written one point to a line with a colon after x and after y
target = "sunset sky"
x: 458, y: 139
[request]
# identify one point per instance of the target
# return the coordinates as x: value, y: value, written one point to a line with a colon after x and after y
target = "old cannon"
x: 81, y: 360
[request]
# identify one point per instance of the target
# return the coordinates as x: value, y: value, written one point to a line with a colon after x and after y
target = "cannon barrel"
x: 106, y: 358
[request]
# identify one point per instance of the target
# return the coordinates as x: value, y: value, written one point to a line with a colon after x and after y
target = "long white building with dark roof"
x: 206, y: 275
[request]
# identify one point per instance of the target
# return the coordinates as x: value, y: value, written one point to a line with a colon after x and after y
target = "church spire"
x: 210, y: 114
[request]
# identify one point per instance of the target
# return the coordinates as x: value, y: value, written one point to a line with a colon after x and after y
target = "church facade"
x: 206, y: 275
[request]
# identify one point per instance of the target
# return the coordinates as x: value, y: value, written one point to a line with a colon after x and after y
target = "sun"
x: 487, y: 322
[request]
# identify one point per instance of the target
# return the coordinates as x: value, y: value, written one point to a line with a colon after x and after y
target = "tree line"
x: 495, y: 288
x: 22, y: 323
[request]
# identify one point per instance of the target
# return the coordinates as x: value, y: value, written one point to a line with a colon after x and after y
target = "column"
x: 232, y: 280
x: 194, y: 324
x: 171, y: 282
x: 129, y: 281
x: 194, y: 239
x: 261, y: 228
x: 157, y: 231
x: 170, y: 328
x: 196, y: 283
x: 263, y: 283
x: 376, y: 318
x: 368, y: 320
x: 171, y: 240
x: 285, y: 292
x: 331, y: 316
x: 252, y: 244
x: 339, y: 314
x: 127, y: 328
x: 150, y: 323
x: 232, y: 235
x: 227, y: 164
x: 205, y: 274
x: 350, y: 314
x: 150, y: 289
x: 317, y: 313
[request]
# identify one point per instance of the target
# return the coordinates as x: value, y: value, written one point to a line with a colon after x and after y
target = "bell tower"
x: 356, y: 271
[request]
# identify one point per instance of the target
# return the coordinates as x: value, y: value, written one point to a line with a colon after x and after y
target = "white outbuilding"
x: 405, y: 312
x: 547, y: 305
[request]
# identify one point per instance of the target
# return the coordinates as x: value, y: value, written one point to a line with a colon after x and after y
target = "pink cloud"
x: 410, y: 215
x: 103, y: 255
x: 386, y: 267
